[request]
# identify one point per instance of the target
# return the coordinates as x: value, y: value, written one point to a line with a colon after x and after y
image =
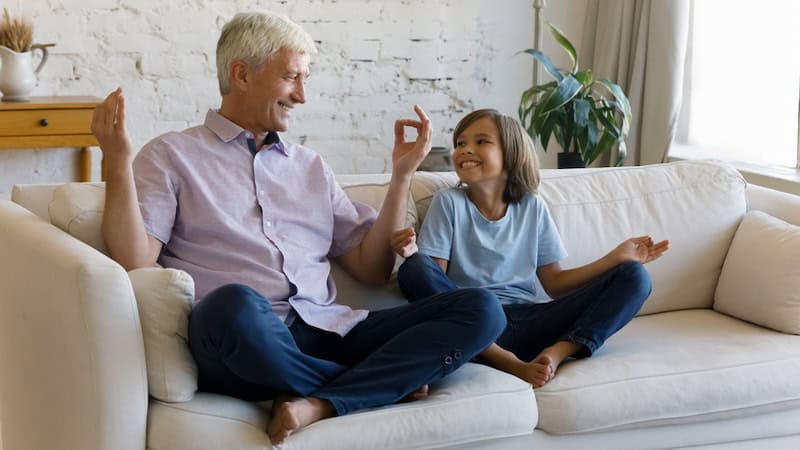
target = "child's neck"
x: 489, y: 201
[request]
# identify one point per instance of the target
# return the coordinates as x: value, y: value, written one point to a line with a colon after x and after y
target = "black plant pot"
x: 570, y: 160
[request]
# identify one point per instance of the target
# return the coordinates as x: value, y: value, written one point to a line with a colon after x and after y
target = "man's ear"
x: 240, y: 75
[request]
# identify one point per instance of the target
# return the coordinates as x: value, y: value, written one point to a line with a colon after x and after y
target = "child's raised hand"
x: 404, y: 242
x: 641, y: 249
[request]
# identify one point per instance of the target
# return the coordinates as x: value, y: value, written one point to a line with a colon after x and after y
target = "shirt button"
x: 261, y: 192
x: 269, y: 224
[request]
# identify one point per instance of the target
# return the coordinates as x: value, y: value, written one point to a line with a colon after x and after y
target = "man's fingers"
x: 120, y: 116
x: 425, y: 121
x: 399, y: 129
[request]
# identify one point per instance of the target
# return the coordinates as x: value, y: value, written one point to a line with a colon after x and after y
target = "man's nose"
x: 299, y: 93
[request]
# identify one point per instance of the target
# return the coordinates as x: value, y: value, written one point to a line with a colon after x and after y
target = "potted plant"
x: 587, y: 117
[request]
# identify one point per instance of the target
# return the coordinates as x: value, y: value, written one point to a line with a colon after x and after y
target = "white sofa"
x: 680, y: 375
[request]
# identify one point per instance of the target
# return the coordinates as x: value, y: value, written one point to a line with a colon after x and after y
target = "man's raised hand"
x: 108, y: 125
x: 407, y: 155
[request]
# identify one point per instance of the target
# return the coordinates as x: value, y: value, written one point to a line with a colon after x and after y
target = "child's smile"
x: 478, y: 155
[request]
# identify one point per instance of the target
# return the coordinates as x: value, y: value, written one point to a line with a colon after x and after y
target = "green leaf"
x: 546, y: 63
x: 604, y: 145
x: 606, y: 117
x: 567, y: 88
x: 620, y: 96
x: 565, y: 44
x: 581, y: 112
x: 547, y: 130
x: 585, y: 77
x: 622, y: 152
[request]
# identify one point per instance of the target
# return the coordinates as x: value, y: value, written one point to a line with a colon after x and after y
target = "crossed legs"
x: 244, y: 350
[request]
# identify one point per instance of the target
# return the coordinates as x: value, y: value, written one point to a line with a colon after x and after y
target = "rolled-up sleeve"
x: 156, y: 191
x: 351, y: 220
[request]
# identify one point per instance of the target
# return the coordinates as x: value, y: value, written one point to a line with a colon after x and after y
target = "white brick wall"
x: 376, y: 59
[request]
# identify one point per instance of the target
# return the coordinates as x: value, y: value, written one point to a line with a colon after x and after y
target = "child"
x: 494, y: 231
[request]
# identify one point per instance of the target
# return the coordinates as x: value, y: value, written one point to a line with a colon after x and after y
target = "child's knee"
x: 635, y: 273
x: 488, y: 311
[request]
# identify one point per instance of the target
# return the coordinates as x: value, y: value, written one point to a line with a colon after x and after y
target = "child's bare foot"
x: 419, y: 394
x: 537, y: 372
x: 552, y: 357
x: 291, y: 414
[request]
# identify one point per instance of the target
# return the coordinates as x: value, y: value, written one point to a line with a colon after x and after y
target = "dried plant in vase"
x: 16, y: 33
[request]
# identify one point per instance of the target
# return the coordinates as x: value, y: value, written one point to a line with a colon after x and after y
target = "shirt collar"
x: 228, y: 131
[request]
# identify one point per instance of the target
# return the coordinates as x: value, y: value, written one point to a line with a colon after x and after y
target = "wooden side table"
x: 51, y: 122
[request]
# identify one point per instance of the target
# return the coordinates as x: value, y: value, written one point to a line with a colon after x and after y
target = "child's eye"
x: 460, y: 144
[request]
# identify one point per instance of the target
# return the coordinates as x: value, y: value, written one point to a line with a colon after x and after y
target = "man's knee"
x: 232, y: 303
x: 224, y: 313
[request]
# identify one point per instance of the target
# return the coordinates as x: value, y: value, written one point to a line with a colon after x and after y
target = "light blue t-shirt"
x: 501, y: 255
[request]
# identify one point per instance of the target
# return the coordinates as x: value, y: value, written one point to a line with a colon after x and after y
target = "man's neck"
x: 229, y: 112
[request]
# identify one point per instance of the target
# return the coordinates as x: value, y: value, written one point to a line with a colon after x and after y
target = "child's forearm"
x: 571, y: 279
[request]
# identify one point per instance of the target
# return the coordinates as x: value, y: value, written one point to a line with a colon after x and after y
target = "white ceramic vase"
x: 17, y: 75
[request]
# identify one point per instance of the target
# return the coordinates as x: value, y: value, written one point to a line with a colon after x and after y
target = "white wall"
x: 376, y: 59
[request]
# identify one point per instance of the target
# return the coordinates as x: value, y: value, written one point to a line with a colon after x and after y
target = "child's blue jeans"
x: 244, y: 350
x: 587, y: 316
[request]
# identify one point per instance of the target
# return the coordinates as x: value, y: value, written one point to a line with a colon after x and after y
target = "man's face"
x: 274, y: 89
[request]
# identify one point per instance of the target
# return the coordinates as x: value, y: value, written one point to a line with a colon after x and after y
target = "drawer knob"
x: 43, y: 122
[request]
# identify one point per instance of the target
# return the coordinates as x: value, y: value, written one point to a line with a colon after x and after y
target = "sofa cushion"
x: 425, y: 184
x: 448, y: 416
x: 164, y: 298
x: 760, y: 281
x: 696, y: 205
x: 674, y: 367
x: 77, y: 208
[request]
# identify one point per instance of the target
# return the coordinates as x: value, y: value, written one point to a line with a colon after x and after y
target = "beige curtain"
x: 641, y: 45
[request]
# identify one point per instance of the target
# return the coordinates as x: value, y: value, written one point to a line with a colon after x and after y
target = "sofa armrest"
x: 72, y: 367
x: 778, y: 204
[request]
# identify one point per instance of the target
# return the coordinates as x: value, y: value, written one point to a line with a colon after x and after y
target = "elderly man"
x: 255, y: 221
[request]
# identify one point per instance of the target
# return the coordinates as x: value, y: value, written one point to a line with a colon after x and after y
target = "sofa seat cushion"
x: 474, y: 403
x: 671, y: 368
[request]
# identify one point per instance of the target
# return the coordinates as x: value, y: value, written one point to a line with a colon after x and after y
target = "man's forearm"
x: 123, y: 228
x: 377, y: 256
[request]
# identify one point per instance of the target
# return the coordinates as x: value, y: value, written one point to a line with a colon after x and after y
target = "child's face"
x: 478, y: 158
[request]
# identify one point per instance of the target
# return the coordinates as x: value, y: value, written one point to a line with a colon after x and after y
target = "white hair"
x: 254, y: 38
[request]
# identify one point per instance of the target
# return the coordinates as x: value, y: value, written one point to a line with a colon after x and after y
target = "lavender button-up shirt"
x: 269, y: 221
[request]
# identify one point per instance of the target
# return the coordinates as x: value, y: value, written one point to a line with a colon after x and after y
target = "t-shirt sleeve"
x: 156, y: 190
x: 351, y: 219
x: 550, y: 247
x: 436, y: 233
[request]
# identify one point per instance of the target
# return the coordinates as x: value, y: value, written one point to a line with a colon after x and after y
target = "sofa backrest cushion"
x: 760, y: 281
x: 695, y: 205
x: 77, y: 208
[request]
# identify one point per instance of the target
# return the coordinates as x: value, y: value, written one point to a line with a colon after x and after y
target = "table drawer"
x: 44, y: 122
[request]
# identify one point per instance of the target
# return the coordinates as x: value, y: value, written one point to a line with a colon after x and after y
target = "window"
x: 742, y: 87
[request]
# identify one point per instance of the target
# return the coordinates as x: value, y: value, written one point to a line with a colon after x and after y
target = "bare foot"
x: 291, y: 414
x: 419, y: 394
x: 537, y: 372
x: 543, y: 367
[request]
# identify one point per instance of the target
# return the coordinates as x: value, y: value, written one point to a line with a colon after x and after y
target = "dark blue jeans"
x: 244, y: 350
x: 587, y: 316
